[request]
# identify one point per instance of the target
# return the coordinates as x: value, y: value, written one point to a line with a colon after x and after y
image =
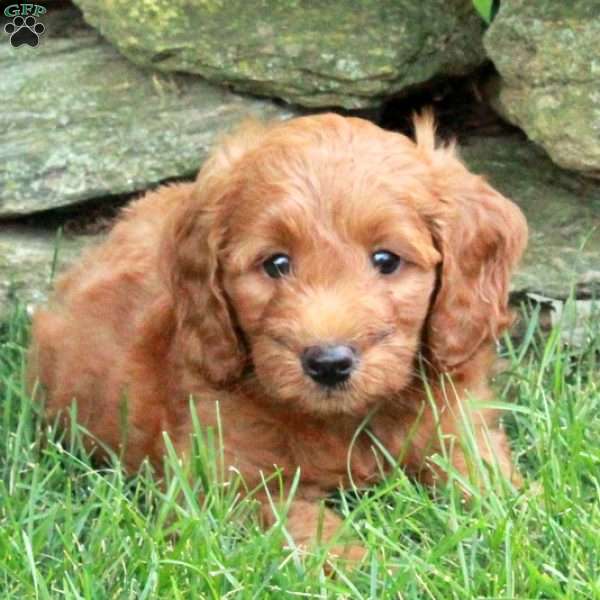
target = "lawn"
x: 69, y: 530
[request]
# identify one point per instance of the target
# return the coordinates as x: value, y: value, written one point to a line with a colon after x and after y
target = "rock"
x: 577, y: 320
x: 28, y: 258
x: 547, y: 55
x: 343, y: 53
x: 562, y: 209
x: 80, y: 121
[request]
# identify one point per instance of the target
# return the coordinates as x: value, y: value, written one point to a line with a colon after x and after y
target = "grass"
x: 68, y: 530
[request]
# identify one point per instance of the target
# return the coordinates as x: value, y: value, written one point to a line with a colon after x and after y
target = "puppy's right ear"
x: 481, y: 236
x: 206, y: 332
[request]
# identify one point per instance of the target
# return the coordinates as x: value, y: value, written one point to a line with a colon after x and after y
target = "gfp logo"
x: 24, y: 27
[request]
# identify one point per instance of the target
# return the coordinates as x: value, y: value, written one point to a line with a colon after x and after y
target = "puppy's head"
x: 325, y: 254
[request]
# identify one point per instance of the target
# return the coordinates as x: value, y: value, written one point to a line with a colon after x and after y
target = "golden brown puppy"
x: 300, y: 282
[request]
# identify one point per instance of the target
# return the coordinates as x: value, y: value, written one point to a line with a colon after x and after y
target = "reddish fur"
x: 175, y: 303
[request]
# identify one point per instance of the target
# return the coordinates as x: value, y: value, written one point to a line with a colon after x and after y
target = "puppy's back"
x: 82, y: 341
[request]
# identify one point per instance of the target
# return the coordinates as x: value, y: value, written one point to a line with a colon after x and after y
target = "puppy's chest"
x: 328, y: 454
x: 326, y: 459
x: 330, y: 458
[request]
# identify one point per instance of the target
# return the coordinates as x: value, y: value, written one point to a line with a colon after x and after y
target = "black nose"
x: 329, y: 365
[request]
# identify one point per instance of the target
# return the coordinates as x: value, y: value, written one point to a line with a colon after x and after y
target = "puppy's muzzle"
x: 329, y: 365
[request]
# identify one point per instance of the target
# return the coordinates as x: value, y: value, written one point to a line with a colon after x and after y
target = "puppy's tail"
x: 424, y: 124
x: 425, y: 137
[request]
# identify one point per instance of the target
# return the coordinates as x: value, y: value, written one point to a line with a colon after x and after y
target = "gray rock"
x: 578, y: 321
x: 547, y: 55
x: 79, y: 121
x: 29, y: 258
x: 562, y: 209
x: 343, y: 53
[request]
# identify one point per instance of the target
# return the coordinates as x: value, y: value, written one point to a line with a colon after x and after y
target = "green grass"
x: 68, y: 530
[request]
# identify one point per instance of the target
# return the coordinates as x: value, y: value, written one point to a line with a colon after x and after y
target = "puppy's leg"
x: 310, y: 524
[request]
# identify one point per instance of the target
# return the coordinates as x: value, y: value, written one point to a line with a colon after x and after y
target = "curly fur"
x: 175, y: 303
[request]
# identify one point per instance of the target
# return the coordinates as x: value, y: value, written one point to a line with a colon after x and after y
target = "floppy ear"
x: 206, y: 332
x: 481, y: 236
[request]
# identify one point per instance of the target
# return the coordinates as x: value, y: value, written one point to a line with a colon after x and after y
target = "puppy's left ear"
x: 482, y: 236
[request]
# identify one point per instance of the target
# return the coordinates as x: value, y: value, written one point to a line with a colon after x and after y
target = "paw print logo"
x: 24, y: 31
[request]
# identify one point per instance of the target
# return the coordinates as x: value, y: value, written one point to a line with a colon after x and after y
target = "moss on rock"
x: 547, y: 55
x: 83, y: 122
x: 343, y: 53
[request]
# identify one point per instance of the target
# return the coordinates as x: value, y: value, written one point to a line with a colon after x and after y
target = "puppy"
x: 319, y: 272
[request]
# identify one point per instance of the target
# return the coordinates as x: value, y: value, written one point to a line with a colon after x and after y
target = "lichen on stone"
x: 547, y: 55
x: 345, y: 53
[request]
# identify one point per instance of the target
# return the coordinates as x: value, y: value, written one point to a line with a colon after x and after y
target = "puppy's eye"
x: 277, y: 266
x: 385, y: 262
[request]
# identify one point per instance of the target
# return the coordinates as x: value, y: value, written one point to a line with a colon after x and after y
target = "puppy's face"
x: 319, y: 242
x: 329, y: 269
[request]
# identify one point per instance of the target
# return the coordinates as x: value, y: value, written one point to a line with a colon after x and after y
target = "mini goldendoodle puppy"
x: 309, y: 278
